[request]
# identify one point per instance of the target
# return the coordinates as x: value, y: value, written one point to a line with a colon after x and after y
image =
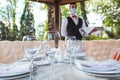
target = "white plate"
x: 17, y: 76
x: 15, y: 69
x: 110, y: 72
x: 14, y: 77
x: 108, y: 67
x: 104, y: 75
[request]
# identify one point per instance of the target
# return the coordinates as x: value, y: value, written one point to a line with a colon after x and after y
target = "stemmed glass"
x: 31, y: 48
x: 70, y: 46
x: 51, y: 48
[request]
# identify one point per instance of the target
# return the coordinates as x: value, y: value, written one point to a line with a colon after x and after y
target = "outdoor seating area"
x: 12, y: 51
x: 95, y: 62
x: 59, y: 40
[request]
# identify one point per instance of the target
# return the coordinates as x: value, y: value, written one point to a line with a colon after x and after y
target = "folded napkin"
x: 38, y: 60
x: 107, y: 66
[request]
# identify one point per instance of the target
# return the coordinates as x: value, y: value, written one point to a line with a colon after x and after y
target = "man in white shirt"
x: 71, y: 25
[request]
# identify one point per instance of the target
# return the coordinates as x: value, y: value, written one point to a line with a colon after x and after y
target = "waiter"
x: 71, y: 25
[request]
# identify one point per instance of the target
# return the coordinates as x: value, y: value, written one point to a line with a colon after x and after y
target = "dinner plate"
x: 109, y: 72
x: 17, y: 69
x: 14, y: 76
x: 104, y: 75
x: 106, y: 68
x: 17, y: 76
x: 13, y: 69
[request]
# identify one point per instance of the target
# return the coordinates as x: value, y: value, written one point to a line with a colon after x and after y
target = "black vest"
x: 73, y: 29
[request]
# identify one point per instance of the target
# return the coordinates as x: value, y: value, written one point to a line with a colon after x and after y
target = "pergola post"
x: 57, y: 15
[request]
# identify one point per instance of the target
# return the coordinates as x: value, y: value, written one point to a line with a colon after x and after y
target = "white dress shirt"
x: 64, y: 25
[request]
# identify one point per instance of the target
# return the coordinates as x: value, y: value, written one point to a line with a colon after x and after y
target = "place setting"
x: 21, y: 68
x: 29, y: 64
x: 106, y: 68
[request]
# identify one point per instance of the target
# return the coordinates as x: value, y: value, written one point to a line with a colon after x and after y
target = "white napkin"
x: 85, y: 30
x: 107, y: 66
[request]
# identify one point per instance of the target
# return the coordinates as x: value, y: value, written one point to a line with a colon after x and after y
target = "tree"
x: 8, y: 14
x: 83, y: 12
x: 27, y: 21
x: 12, y: 23
x: 110, y: 10
x: 4, y: 31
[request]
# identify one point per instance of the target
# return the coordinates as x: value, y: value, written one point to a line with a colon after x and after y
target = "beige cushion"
x: 96, y: 49
x: 10, y: 51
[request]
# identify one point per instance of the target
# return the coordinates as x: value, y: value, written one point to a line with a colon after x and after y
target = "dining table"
x: 62, y: 72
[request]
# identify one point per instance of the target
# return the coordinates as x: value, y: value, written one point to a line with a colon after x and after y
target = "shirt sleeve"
x: 64, y: 27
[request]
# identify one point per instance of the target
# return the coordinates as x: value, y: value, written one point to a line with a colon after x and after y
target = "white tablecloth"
x: 63, y: 71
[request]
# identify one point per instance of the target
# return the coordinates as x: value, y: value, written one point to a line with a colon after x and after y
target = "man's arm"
x: 96, y: 29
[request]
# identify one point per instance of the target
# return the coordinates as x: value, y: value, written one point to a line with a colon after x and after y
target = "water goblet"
x: 51, y: 48
x: 31, y: 48
x: 70, y: 45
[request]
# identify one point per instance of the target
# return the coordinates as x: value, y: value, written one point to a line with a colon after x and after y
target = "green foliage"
x: 15, y: 33
x: 4, y: 32
x: 98, y: 36
x: 27, y: 22
x: 11, y: 31
x: 93, y: 37
x: 8, y: 14
x: 109, y: 9
x: 64, y: 11
x: 45, y: 28
x: 39, y: 32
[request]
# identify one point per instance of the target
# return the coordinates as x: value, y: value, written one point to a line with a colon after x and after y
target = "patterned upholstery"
x: 10, y: 51
x: 100, y: 49
x: 96, y: 49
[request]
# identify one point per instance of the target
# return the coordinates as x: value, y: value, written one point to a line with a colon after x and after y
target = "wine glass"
x: 51, y: 48
x: 70, y: 46
x: 31, y: 48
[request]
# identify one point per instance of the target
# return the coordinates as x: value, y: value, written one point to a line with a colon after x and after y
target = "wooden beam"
x: 62, y: 2
x: 57, y: 14
x: 57, y: 17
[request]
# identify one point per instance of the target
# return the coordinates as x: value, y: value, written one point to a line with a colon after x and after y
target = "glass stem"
x: 52, y: 77
x: 52, y: 65
x: 31, y: 69
x: 71, y: 61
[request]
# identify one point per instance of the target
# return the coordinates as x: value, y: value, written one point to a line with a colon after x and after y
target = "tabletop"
x: 63, y: 71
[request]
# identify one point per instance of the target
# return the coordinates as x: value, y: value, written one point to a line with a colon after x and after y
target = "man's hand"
x: 96, y: 29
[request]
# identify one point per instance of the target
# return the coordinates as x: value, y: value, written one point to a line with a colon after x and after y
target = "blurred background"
x: 23, y: 17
